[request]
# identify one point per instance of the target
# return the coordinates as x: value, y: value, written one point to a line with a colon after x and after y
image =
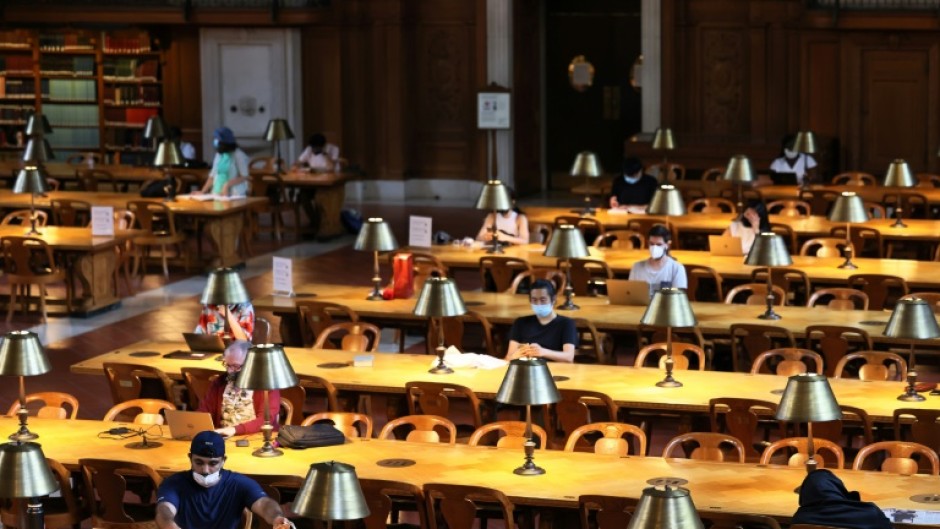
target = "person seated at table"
x: 512, y: 226
x: 186, y: 148
x: 790, y: 161
x: 237, y: 411
x: 229, y: 174
x: 319, y: 155
x: 632, y: 190
x: 752, y: 222
x: 241, y: 321
x: 824, y: 500
x: 545, y: 334
x: 660, y: 270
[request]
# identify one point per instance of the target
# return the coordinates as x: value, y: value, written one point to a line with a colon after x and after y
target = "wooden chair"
x: 425, y: 429
x: 498, y: 272
x: 520, y: 285
x: 855, y: 423
x: 313, y: 385
x: 434, y: 399
x: 605, y: 512
x: 24, y: 217
x: 727, y: 520
x: 589, y: 227
x: 682, y: 353
x: 748, y: 340
x: 55, y: 405
x: 53, y: 184
x: 382, y: 496
x: 854, y: 178
x: 918, y: 425
x: 667, y: 172
x: 159, y: 225
x: 785, y: 231
x: 134, y: 381
x: 825, y: 247
x: 509, y: 434
x: 271, y: 186
x: 124, y: 219
x: 621, y: 240
x: 875, y: 365
x: 197, y: 381
x: 756, y: 294
x: 577, y: 408
x: 787, y: 361
x: 927, y: 180
x: 819, y: 200
x: 876, y: 210
x: 65, y: 510
x: 792, y: 280
x: 713, y: 174
x: 149, y: 411
x: 106, y: 487
x: 458, y: 506
x: 866, y: 242
x: 836, y: 341
x: 913, y: 205
x: 588, y: 276
x: 316, y: 316
x: 455, y: 333
x: 262, y: 331
x: 876, y: 286
x: 798, y: 452
x: 95, y: 180
x: 425, y: 265
x: 351, y: 424
x: 700, y: 277
x: 839, y: 299
x: 741, y: 419
x: 540, y: 233
x: 353, y: 336
x: 710, y: 205
x: 708, y: 446
x: 594, y: 347
x: 292, y: 405
x: 612, y: 440
x: 789, y: 208
x: 898, y: 458
x: 29, y: 261
x: 930, y: 297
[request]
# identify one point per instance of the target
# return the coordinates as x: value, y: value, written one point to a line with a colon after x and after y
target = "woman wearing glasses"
x: 234, y: 410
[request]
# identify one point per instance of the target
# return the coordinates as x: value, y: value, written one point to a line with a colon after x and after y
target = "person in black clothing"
x: 544, y: 334
x: 824, y: 500
x: 633, y: 188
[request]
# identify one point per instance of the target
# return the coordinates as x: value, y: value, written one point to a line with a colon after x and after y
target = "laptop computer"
x: 783, y: 179
x: 204, y: 343
x: 725, y: 245
x: 628, y: 292
x: 186, y: 424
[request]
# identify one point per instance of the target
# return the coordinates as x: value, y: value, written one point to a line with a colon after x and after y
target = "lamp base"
x: 143, y: 445
x: 899, y: 224
x: 374, y: 297
x: 23, y: 435
x: 376, y: 294
x: 588, y: 211
x: 911, y: 396
x: 848, y: 265
x: 440, y: 369
x: 568, y: 305
x: 497, y: 248
x: 33, y: 232
x: 527, y: 470
x: 770, y: 315
x: 669, y: 382
x: 267, y: 450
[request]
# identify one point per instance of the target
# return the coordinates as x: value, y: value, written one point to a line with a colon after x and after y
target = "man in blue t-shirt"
x: 209, y: 497
x: 545, y: 334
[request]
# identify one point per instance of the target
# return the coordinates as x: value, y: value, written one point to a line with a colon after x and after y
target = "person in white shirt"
x: 229, y: 174
x: 512, y: 226
x: 752, y: 222
x: 319, y: 155
x: 186, y: 149
x: 660, y: 270
x: 790, y: 161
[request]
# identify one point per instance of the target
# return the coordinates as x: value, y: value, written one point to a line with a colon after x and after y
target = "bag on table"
x: 403, y: 276
x: 321, y: 434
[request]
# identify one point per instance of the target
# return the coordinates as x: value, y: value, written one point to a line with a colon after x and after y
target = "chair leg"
x: 13, y: 287
x: 166, y: 266
x: 42, y: 303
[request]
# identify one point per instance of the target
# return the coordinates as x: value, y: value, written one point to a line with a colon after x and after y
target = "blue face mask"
x: 542, y: 311
x: 631, y: 179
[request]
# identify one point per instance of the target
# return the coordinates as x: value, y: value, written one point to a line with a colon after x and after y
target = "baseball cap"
x: 208, y: 444
x: 225, y: 135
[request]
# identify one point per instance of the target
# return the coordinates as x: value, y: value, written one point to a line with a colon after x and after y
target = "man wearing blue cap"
x: 210, y: 497
x: 229, y: 174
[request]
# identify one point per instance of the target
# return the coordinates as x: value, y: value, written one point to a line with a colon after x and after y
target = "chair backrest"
x: 69, y: 509
x: 621, y: 240
x: 754, y: 294
x: 433, y: 398
x: 510, y: 434
x: 148, y: 410
x: 710, y: 205
x: 588, y: 275
x: 54, y: 405
x: 27, y: 256
x: 106, y: 487
x: 727, y: 520
x: 557, y: 277
x: 425, y: 429
x: 68, y: 212
x: 930, y: 297
x: 705, y: 446
x: 874, y: 365
x: 153, y: 217
x: 127, y: 381
x: 927, y: 180
x: 612, y: 440
x: 94, y: 179
x: 836, y: 341
x: 713, y: 173
x: 458, y: 505
x: 740, y: 419
x: 23, y: 217
x: 700, y: 279
x: 787, y: 361
x: 454, y: 331
x: 789, y: 208
x: 381, y: 495
x: 832, y: 430
x: 351, y: 424
x: 497, y: 272
x: 605, y: 512
x: 918, y: 425
x: 577, y: 408
x: 589, y: 227
x: 877, y: 285
x: 854, y: 178
x: 593, y: 347
x: 866, y: 242
x: 839, y: 298
x: 682, y: 353
x: 355, y: 336
x: 292, y: 404
x: 666, y: 171
x: 912, y: 205
x: 798, y: 452
x: 820, y: 200
x: 316, y: 316
x: 262, y: 331
x: 898, y: 458
x: 424, y: 264
x: 197, y: 381
x: 790, y: 280
x: 313, y: 384
x: 785, y: 231
x: 825, y: 247
x: 750, y: 339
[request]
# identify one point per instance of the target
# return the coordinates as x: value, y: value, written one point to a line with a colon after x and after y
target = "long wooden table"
x: 330, y: 195
x: 721, y: 487
x: 122, y: 173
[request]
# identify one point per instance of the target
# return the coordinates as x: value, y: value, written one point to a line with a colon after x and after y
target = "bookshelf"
x: 97, y: 88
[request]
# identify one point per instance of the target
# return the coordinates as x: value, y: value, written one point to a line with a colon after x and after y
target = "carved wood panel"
x: 724, y: 88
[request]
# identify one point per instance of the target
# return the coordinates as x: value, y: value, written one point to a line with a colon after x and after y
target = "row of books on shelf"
x: 15, y: 113
x: 16, y: 64
x: 64, y: 137
x: 71, y: 116
x: 72, y: 41
x: 16, y: 39
x: 17, y: 88
x: 69, y: 89
x: 132, y: 95
x: 131, y: 68
x: 64, y: 65
x: 127, y: 43
x: 128, y: 117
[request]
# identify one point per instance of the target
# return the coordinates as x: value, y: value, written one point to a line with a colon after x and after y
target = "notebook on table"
x: 628, y: 292
x: 783, y: 179
x: 186, y: 424
x: 725, y: 245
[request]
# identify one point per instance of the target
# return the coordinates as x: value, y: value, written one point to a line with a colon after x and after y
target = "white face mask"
x: 631, y: 179
x: 215, y: 143
x: 657, y: 251
x: 208, y: 481
x: 790, y: 154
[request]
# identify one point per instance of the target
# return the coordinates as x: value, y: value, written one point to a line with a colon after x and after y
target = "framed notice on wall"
x: 494, y: 109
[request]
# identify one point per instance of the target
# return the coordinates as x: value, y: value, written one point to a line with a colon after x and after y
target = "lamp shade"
x: 37, y: 125
x: 566, y: 242
x: 439, y: 298
x: 375, y: 236
x: 168, y: 154
x: 669, y: 308
x: 912, y: 319
x: 899, y: 175
x: 21, y: 354
x: 528, y: 381
x: 665, y: 509
x: 37, y: 151
x: 331, y: 492
x: 849, y: 207
x: 739, y: 170
x: 24, y: 472
x: 586, y: 164
x: 266, y: 367
x: 808, y: 397
x: 30, y: 180
x: 278, y: 129
x: 225, y: 287
x: 666, y: 201
x: 494, y: 196
x: 805, y: 142
x: 155, y: 128
x: 769, y: 249
x: 663, y: 140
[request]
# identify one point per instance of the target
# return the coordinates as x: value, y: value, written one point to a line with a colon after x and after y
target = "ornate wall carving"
x: 724, y: 66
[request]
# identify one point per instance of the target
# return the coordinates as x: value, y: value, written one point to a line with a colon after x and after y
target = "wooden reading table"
x: 330, y: 194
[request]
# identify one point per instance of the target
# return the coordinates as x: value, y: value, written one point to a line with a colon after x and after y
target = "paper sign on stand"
x: 283, y: 276
x: 102, y: 221
x: 419, y: 231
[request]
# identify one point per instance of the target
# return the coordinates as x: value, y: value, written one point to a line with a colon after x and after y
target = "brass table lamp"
x: 808, y: 398
x: 224, y: 288
x: 528, y: 382
x: 375, y: 236
x: 667, y: 201
x: 669, y: 308
x: 769, y: 250
x: 912, y: 319
x: 24, y: 473
x: 37, y: 151
x: 663, y: 140
x: 331, y: 492
x: 278, y: 129
x: 805, y: 142
x: 567, y: 242
x: 494, y: 197
x: 266, y: 367
x: 155, y: 129
x: 668, y: 508
x: 21, y: 355
x: 739, y: 172
x: 439, y: 298
x: 168, y: 154
x: 31, y: 179
x: 586, y: 165
x: 899, y: 175
x: 848, y: 208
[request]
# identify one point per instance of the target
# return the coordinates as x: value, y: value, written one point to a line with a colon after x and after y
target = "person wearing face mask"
x: 633, y: 190
x: 512, y: 226
x: 752, y: 222
x: 545, y: 334
x: 237, y: 411
x: 229, y: 174
x: 790, y: 161
x: 660, y: 270
x: 209, y: 496
x: 319, y: 155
